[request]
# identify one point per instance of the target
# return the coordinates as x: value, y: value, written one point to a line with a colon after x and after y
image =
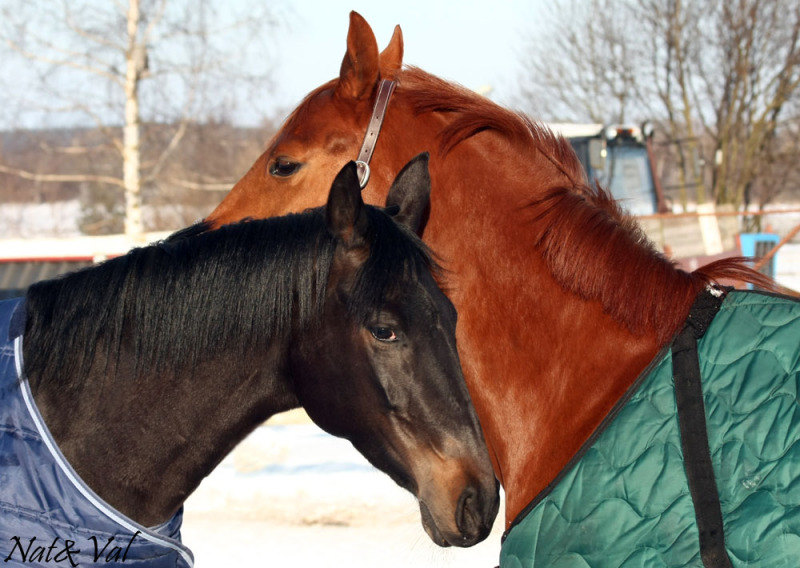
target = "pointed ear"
x: 359, y: 72
x: 410, y: 193
x: 391, y: 58
x: 344, y: 212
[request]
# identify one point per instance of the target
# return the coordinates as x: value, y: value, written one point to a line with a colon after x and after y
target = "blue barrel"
x: 757, y: 245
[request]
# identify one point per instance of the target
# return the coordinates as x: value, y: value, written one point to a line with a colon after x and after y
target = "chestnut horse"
x: 562, y: 301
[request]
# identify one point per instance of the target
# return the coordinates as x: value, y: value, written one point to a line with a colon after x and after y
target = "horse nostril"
x: 475, y: 514
x: 467, y: 514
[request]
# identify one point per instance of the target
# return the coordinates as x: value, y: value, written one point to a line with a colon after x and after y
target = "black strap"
x: 694, y: 434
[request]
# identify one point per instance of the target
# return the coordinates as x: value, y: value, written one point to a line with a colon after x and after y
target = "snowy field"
x: 293, y: 495
x: 787, y: 266
x: 35, y: 220
x: 62, y: 218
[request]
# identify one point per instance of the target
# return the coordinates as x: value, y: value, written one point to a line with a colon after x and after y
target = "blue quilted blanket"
x: 48, y: 515
x: 625, y: 502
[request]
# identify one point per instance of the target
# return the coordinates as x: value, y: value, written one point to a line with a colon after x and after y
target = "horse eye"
x: 284, y: 167
x: 383, y: 333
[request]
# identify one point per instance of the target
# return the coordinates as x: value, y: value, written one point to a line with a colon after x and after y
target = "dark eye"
x: 383, y: 333
x: 284, y: 167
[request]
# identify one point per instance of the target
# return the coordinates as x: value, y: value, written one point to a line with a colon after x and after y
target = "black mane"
x: 199, y: 294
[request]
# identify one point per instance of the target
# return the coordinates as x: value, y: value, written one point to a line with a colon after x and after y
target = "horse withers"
x: 142, y: 373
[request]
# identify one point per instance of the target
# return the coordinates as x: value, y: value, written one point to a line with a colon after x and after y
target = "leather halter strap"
x: 373, y: 129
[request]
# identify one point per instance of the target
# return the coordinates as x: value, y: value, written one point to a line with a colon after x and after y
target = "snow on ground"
x: 62, y: 218
x: 291, y: 494
x: 787, y: 266
x: 33, y: 220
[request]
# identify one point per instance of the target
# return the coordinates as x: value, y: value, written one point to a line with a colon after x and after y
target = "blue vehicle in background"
x: 620, y: 158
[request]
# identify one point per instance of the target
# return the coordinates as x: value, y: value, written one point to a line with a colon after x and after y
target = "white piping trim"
x: 79, y: 484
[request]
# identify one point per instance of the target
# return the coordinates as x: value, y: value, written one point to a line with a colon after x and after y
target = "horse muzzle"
x: 470, y: 523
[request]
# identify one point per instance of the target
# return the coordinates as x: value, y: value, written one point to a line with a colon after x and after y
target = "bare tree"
x: 583, y: 67
x: 116, y: 65
x: 673, y: 26
x: 721, y: 76
x: 758, y: 51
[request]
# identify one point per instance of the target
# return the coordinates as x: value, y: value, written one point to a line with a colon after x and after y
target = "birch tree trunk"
x: 135, y: 58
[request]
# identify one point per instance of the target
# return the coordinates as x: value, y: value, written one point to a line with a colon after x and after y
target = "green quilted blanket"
x: 626, y: 502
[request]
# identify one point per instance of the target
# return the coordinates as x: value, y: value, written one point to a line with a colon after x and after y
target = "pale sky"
x: 476, y: 43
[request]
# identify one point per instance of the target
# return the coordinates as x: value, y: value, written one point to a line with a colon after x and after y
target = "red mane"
x: 591, y: 246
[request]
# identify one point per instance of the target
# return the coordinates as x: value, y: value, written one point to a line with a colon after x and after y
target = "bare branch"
x: 55, y: 178
x: 69, y: 21
x: 154, y: 21
x: 69, y: 62
x: 165, y: 155
x: 218, y: 186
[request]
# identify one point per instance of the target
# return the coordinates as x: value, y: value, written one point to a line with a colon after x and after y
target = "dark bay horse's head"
x: 325, y: 131
x: 382, y: 370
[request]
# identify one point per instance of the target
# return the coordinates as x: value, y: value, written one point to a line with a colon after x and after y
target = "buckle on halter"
x: 363, y: 173
x: 373, y: 129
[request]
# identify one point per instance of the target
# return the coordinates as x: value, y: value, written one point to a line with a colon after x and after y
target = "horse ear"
x: 410, y: 193
x: 391, y: 58
x: 344, y: 212
x: 359, y: 72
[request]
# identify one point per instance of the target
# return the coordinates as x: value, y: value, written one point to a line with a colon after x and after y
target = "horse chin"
x: 430, y: 526
x: 446, y: 538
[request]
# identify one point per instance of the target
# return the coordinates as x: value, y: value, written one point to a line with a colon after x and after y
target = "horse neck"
x: 144, y: 438
x: 562, y: 354
x: 145, y: 442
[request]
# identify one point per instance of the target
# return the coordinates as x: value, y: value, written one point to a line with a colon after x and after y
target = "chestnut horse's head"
x: 325, y: 131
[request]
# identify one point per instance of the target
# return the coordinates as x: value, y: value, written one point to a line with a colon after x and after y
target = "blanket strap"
x: 694, y: 434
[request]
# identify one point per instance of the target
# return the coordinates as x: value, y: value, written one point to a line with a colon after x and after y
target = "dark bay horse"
x: 149, y: 368
x: 562, y: 301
